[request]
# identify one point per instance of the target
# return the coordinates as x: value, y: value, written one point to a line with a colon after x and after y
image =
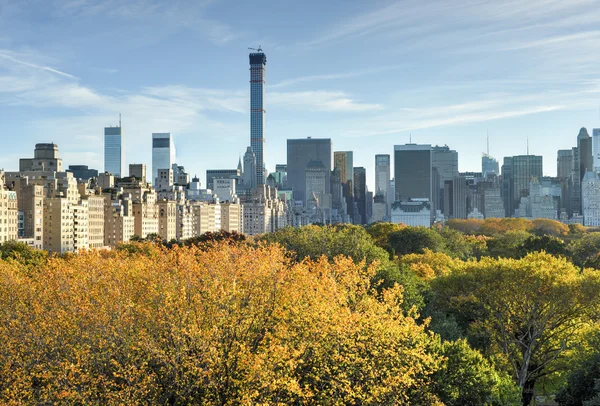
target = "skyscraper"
x: 163, y: 153
x: 586, y: 155
x: 114, y: 151
x: 596, y: 148
x: 249, y: 174
x: 258, y: 64
x: 382, y: 180
x: 299, y: 153
x: 412, y: 171
x: 444, y: 162
x: 344, y: 162
x: 517, y: 175
x: 360, y: 194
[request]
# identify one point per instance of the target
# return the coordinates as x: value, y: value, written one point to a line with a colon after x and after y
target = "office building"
x: 82, y: 172
x: 138, y: 171
x: 590, y: 197
x: 360, y: 194
x: 212, y: 174
x: 444, y: 164
x: 412, y: 172
x: 114, y: 151
x: 382, y: 181
x: 586, y: 154
x: 258, y: 65
x: 517, y: 174
x: 596, y: 148
x: 489, y: 166
x: 299, y: 153
x: 412, y: 213
x: 163, y: 153
x: 344, y: 162
x: 249, y: 176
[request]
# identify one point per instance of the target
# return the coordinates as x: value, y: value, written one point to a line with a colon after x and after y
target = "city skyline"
x: 345, y: 78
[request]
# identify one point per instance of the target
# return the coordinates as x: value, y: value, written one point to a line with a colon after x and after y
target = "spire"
x: 119, y: 120
x: 488, y: 142
x: 527, y: 145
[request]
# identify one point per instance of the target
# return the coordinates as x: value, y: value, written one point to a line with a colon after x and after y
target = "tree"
x: 468, y: 379
x: 549, y: 227
x: 380, y: 233
x: 17, y: 251
x: 429, y: 264
x: 581, y: 383
x: 228, y: 324
x: 507, y: 245
x: 343, y: 239
x: 459, y: 245
x: 584, y: 250
x: 415, y: 240
x: 531, y: 309
x: 551, y: 245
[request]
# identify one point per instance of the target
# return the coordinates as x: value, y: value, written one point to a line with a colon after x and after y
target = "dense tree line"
x: 490, y: 312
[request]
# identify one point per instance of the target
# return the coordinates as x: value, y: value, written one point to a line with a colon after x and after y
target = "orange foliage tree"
x: 228, y: 325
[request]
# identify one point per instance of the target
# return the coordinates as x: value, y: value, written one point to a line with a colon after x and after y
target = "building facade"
x: 258, y: 66
x: 114, y: 151
x: 163, y: 153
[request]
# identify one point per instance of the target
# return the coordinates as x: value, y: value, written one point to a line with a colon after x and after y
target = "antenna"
x: 527, y: 145
x: 410, y: 138
x: 259, y: 49
x: 119, y: 120
x: 488, y: 143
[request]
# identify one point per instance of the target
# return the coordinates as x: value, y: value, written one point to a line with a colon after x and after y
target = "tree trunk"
x: 527, y: 393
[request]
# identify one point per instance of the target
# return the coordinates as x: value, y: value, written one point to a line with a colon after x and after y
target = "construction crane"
x: 259, y: 49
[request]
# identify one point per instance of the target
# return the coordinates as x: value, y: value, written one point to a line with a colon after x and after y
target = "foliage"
x: 17, y: 251
x: 468, y: 379
x: 551, y: 245
x: 531, y: 309
x: 314, y: 241
x: 492, y: 226
x: 459, y: 245
x: 380, y: 233
x: 414, y: 240
x: 585, y: 250
x: 549, y: 227
x: 508, y: 245
x: 231, y: 324
x: 581, y: 383
x: 429, y: 264
x: 413, y: 287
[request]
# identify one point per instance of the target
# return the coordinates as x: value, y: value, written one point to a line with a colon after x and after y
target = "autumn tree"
x: 415, y: 240
x: 230, y: 324
x: 531, y: 309
x: 380, y: 233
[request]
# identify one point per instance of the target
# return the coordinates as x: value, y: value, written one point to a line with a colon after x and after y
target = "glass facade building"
x: 163, y: 153
x: 114, y: 151
x: 258, y: 64
x: 299, y: 153
x: 412, y: 171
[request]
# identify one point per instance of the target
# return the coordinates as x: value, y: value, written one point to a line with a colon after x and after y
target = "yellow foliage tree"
x: 430, y: 264
x: 228, y: 325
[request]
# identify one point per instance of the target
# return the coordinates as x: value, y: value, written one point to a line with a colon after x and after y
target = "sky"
x: 367, y: 74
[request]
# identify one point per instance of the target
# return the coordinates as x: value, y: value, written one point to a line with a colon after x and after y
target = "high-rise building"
x: 412, y: 172
x: 360, y: 194
x: 586, y: 155
x: 382, y: 180
x: 590, y: 196
x: 299, y: 153
x: 517, y: 174
x: 212, y: 174
x: 82, y: 172
x: 344, y: 162
x: 564, y: 170
x: 163, y: 153
x: 9, y: 213
x: 249, y: 175
x: 258, y: 65
x: 444, y: 163
x: 138, y: 171
x: 596, y: 148
x: 489, y: 166
x: 114, y: 151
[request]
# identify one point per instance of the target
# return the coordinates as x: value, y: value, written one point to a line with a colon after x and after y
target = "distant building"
x: 249, y: 176
x: 596, y: 148
x: 360, y: 194
x: 299, y: 153
x: 412, y: 172
x: 344, y: 163
x: 590, y: 193
x: 382, y: 181
x: 9, y: 214
x: 212, y: 174
x: 489, y: 166
x: 412, y: 213
x: 517, y: 174
x: 258, y: 66
x: 82, y: 172
x: 114, y: 151
x: 138, y: 171
x: 163, y: 153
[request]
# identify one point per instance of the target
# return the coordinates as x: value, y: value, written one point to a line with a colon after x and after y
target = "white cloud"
x: 320, y: 100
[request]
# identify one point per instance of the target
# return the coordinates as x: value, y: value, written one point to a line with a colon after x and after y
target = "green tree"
x: 507, y: 245
x: 380, y: 233
x: 415, y: 240
x: 580, y: 386
x: 552, y: 245
x: 17, y: 251
x: 584, y: 250
x: 314, y: 241
x: 531, y: 309
x: 468, y: 379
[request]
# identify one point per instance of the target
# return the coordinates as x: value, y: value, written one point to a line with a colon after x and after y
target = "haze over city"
x: 365, y: 74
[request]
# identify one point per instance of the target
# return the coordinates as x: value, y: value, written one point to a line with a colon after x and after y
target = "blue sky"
x: 365, y: 73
